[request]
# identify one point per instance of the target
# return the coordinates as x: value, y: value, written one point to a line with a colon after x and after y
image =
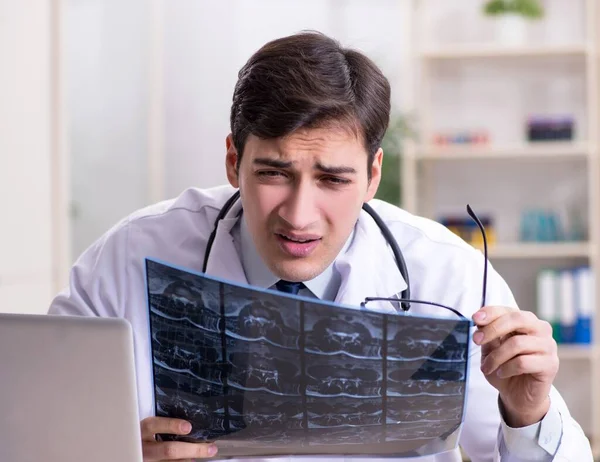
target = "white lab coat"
x: 108, y: 280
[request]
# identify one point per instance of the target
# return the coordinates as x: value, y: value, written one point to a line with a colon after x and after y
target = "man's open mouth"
x: 298, y: 246
x: 301, y: 240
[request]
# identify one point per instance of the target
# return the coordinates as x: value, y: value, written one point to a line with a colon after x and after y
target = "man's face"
x: 302, y: 195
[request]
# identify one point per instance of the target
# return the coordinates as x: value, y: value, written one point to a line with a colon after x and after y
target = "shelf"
x: 534, y: 250
x: 552, y: 150
x: 577, y: 352
x: 496, y: 51
x: 468, y: 86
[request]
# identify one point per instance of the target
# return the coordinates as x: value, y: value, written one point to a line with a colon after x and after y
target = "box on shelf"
x: 467, y: 229
x: 550, y: 128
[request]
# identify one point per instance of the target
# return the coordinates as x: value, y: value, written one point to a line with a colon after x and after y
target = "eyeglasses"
x: 406, y: 302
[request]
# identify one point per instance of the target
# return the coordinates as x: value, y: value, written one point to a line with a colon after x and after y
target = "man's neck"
x: 325, y: 286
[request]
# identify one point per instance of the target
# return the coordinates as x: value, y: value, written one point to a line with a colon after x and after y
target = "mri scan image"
x: 265, y: 373
x: 342, y: 331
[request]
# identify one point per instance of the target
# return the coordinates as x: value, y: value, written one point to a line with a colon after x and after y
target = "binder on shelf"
x: 566, y: 299
x: 584, y: 303
x: 568, y: 311
x: 547, y: 309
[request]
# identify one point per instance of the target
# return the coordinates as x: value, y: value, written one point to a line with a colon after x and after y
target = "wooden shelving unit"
x: 421, y: 157
x: 548, y: 151
x: 574, y: 352
x: 495, y: 51
x: 533, y: 250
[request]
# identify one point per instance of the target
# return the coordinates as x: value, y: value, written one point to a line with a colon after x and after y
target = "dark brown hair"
x: 308, y: 80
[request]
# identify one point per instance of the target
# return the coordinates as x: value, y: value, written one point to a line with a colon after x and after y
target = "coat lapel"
x: 368, y: 268
x: 224, y: 261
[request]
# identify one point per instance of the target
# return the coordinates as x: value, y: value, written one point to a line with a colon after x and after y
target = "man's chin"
x: 297, y: 271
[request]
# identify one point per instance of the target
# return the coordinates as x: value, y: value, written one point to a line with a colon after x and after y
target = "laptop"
x: 67, y: 390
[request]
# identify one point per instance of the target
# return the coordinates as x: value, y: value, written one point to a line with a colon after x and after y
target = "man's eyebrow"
x: 328, y: 169
x: 272, y: 162
x: 334, y: 170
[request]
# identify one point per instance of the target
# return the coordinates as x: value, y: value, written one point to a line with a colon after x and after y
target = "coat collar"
x: 367, y: 267
x: 224, y: 261
x: 324, y: 286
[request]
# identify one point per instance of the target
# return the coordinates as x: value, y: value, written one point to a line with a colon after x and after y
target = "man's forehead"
x: 326, y: 140
x: 330, y: 132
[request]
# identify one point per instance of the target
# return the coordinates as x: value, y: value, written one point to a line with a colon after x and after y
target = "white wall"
x: 206, y: 43
x: 25, y: 156
x: 107, y: 55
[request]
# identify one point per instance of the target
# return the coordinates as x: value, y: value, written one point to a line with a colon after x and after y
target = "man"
x: 307, y: 121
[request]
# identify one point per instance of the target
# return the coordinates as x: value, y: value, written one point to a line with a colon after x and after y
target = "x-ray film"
x: 263, y: 373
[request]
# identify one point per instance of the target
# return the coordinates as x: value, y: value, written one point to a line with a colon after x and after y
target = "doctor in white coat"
x: 307, y: 121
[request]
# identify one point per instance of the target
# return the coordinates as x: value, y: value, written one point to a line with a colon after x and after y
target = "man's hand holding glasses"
x: 519, y: 358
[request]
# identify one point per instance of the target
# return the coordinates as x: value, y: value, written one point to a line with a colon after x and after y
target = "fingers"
x: 489, y: 314
x: 514, y: 342
x: 155, y: 451
x: 526, y: 364
x: 153, y: 425
x: 494, y: 323
x: 175, y: 450
x: 514, y: 347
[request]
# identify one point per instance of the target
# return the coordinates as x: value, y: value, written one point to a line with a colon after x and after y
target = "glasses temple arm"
x: 485, y: 252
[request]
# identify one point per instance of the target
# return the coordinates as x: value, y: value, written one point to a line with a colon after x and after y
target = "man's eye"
x: 336, y: 180
x: 270, y: 173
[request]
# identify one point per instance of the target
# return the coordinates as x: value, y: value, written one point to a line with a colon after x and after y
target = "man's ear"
x: 375, y: 175
x: 231, y: 161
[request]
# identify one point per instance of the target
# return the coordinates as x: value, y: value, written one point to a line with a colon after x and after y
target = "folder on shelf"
x: 547, y: 300
x: 566, y: 299
x: 568, y: 311
x: 584, y: 303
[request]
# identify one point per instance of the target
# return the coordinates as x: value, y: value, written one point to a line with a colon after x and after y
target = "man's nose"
x: 300, y: 209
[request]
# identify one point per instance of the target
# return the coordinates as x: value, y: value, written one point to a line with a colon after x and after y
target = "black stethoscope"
x: 405, y: 299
